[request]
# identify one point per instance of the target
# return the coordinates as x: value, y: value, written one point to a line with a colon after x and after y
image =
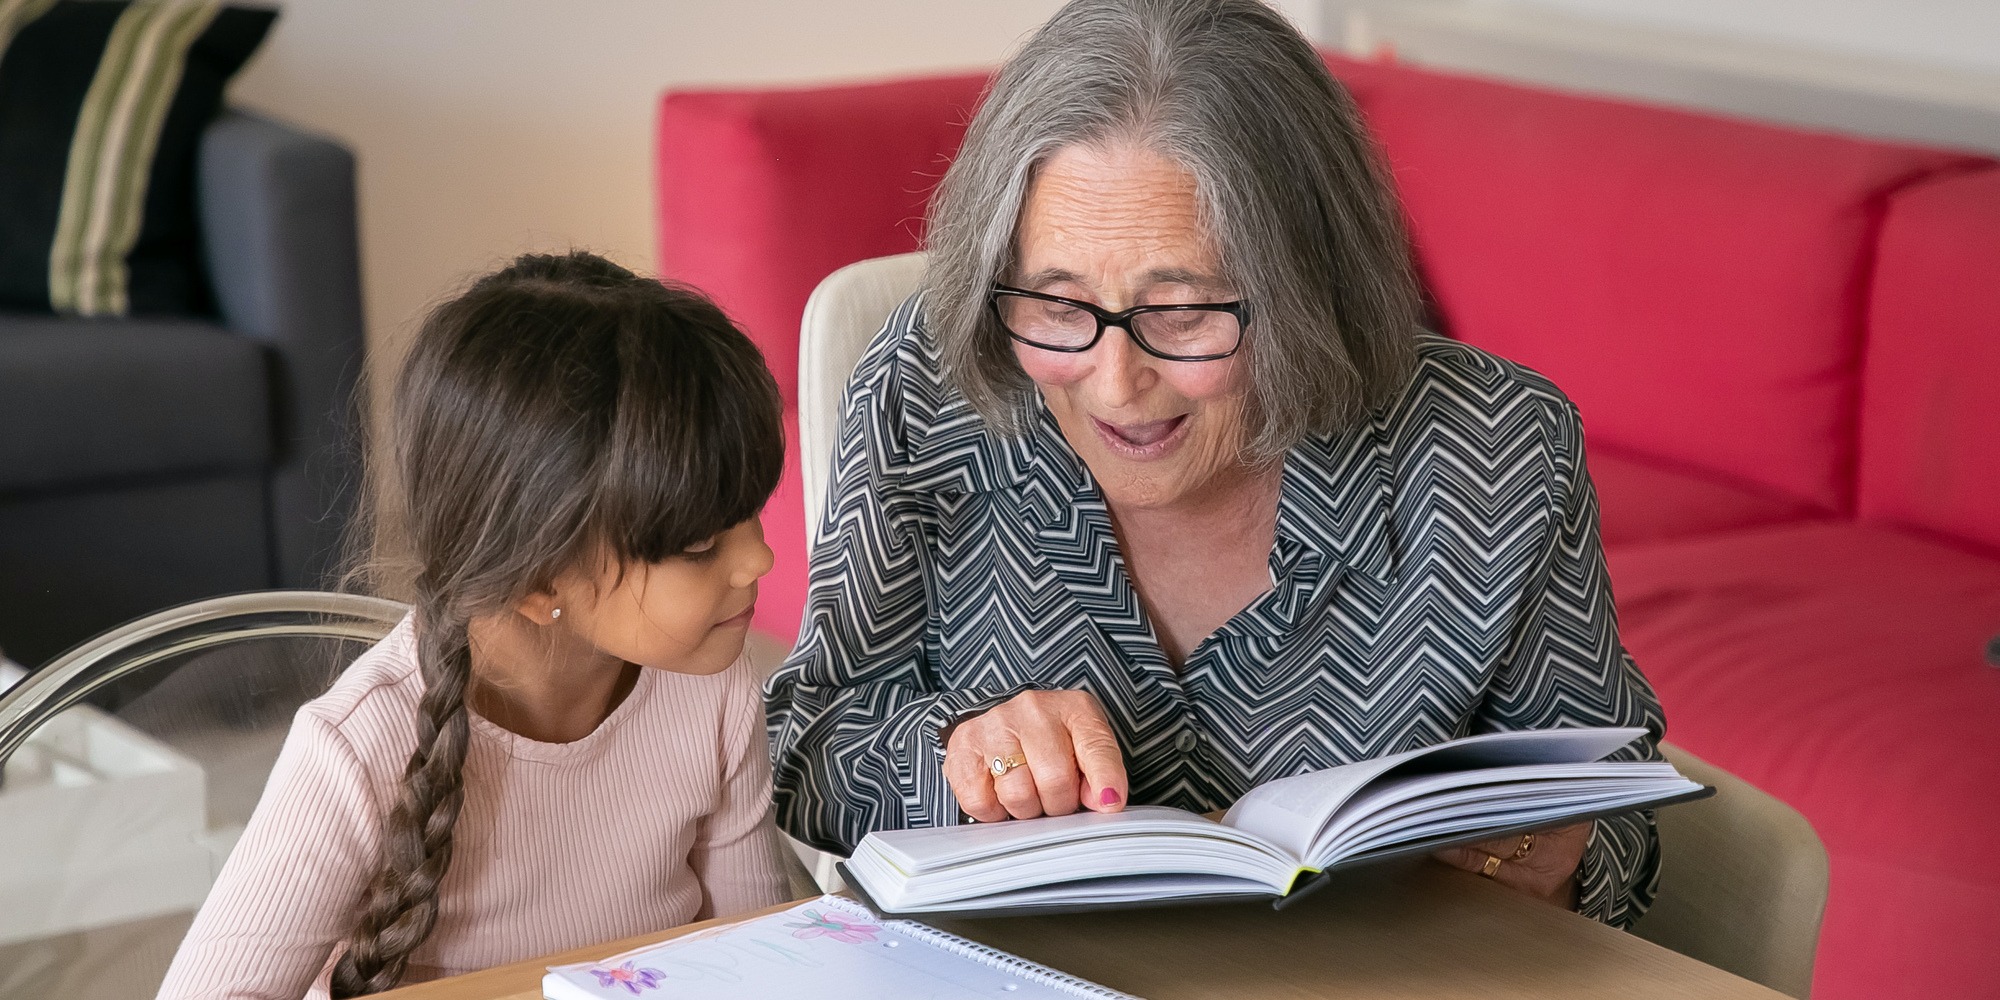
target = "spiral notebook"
x: 827, y: 949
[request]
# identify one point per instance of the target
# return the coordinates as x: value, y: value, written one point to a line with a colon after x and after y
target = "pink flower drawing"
x: 635, y: 981
x: 834, y: 925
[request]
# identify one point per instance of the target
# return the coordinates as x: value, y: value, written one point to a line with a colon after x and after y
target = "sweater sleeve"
x: 1566, y: 667
x: 289, y: 893
x: 735, y: 854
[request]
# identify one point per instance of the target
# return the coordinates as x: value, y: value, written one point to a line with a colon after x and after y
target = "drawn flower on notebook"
x: 834, y: 925
x: 635, y: 981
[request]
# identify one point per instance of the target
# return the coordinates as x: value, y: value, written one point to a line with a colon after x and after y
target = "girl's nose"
x: 757, y: 561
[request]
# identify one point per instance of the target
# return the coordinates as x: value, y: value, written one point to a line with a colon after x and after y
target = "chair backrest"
x: 842, y: 316
x: 129, y: 766
x: 1742, y: 883
x: 844, y: 313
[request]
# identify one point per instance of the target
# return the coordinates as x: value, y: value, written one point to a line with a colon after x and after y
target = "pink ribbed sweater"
x: 658, y: 817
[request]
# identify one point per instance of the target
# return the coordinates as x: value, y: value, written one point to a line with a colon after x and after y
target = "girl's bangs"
x: 698, y: 446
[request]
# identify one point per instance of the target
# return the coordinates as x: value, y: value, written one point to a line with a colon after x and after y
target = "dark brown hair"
x: 558, y: 409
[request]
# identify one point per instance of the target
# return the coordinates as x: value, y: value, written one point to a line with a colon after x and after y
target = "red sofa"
x: 1786, y: 348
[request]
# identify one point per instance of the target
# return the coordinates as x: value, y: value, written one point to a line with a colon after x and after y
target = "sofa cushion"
x: 1930, y: 391
x: 1839, y: 666
x: 84, y: 400
x: 764, y: 193
x: 102, y: 106
x: 1641, y: 499
x: 1693, y: 283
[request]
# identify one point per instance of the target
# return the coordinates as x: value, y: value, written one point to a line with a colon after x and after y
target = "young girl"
x: 563, y: 743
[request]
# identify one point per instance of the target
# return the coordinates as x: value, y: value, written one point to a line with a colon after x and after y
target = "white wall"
x: 489, y: 127
x: 1886, y: 69
x: 1959, y: 34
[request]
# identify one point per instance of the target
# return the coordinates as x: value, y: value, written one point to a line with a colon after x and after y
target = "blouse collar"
x: 1335, y: 500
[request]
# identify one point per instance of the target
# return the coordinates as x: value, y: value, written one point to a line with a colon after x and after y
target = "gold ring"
x: 1527, y: 844
x: 1001, y: 765
x: 1492, y: 868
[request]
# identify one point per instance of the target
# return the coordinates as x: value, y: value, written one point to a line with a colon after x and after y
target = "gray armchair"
x: 145, y: 462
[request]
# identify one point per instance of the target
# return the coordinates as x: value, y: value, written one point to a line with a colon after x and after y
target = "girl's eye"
x: 701, y: 550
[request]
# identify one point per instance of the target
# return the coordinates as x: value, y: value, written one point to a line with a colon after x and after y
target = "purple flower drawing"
x: 635, y: 981
x: 835, y: 926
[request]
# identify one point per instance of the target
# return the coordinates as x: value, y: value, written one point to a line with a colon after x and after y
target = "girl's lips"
x: 1141, y: 442
x: 740, y: 618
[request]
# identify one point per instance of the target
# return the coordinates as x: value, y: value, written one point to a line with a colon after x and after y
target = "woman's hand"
x: 1072, y: 758
x: 1547, y: 871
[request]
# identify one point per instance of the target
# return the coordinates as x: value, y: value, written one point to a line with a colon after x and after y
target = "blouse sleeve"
x: 855, y: 712
x: 1566, y: 667
x: 290, y: 890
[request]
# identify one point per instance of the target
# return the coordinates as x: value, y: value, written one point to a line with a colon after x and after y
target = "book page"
x: 929, y: 849
x: 1497, y: 791
x: 1290, y: 812
x: 989, y: 865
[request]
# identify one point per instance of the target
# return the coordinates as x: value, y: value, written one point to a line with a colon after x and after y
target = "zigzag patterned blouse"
x: 1436, y: 573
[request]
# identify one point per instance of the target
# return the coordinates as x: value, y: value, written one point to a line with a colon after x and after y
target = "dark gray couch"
x: 146, y: 462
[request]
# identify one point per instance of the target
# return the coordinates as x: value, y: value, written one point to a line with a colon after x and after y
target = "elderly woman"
x: 1156, y: 491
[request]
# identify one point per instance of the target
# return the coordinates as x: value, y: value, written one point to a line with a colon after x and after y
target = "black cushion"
x: 88, y: 400
x: 67, y: 133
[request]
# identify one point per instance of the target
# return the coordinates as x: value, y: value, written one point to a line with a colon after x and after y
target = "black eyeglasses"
x: 1200, y: 331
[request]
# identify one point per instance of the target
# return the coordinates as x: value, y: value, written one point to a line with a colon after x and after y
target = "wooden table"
x: 1412, y: 930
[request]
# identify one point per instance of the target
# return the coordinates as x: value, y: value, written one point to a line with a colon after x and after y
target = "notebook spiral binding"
x: 990, y: 957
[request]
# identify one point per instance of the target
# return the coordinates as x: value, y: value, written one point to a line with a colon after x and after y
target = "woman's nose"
x: 1123, y: 372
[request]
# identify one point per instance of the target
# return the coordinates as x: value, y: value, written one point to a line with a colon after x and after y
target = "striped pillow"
x: 102, y: 106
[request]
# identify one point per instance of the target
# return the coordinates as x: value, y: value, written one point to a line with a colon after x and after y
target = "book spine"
x: 994, y: 958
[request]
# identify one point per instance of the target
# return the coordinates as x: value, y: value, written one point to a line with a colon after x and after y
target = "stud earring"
x: 555, y: 613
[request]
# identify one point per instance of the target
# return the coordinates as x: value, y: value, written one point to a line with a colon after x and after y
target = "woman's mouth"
x: 1141, y: 441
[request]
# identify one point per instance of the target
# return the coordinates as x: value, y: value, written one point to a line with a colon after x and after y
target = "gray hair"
x: 1289, y: 188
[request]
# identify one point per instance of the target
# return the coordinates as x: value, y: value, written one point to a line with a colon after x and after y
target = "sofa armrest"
x: 279, y: 237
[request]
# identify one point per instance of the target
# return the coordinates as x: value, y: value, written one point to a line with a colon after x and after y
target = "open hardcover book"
x: 1278, y: 840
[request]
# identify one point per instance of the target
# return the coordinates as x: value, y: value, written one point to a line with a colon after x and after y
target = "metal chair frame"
x: 205, y: 624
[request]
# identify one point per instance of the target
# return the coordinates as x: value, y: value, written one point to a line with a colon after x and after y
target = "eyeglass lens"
x: 1183, y: 332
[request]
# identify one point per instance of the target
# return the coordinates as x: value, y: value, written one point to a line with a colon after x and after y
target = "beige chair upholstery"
x: 1742, y: 883
x: 845, y: 312
x: 842, y: 316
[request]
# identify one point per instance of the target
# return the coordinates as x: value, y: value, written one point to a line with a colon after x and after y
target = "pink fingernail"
x: 1109, y: 797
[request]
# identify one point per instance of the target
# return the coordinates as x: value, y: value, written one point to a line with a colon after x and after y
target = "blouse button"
x: 1186, y: 741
